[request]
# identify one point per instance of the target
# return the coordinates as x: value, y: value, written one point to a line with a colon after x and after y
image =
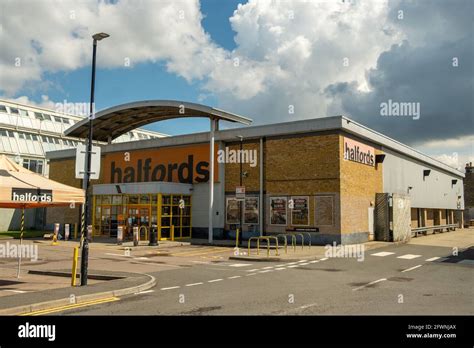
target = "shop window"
x: 133, y: 199
x: 144, y: 199
x: 117, y: 199
x: 251, y: 212
x: 300, y: 211
x: 278, y: 211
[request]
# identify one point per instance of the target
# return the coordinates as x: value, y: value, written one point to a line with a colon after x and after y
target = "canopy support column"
x: 211, y: 178
x: 22, y: 227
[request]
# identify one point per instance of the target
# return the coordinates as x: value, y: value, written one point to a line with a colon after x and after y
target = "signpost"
x: 240, y: 193
x: 81, y: 152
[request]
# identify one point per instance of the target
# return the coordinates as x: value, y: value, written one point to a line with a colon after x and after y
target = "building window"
x: 57, y: 119
x: 47, y: 117
x: 14, y: 111
x: 3, y: 108
x: 39, y: 116
x: 21, y: 135
x: 56, y: 141
x: 65, y: 121
x: 33, y: 165
x: 23, y: 113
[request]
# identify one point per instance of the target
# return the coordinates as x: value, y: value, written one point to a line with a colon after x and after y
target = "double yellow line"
x: 71, y: 306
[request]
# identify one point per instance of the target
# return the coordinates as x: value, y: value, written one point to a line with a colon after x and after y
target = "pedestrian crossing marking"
x: 433, y: 259
x: 383, y: 253
x: 408, y: 256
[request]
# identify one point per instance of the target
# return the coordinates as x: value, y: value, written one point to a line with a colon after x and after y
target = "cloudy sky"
x: 273, y: 61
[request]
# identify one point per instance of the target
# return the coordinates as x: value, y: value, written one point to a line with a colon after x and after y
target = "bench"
x: 424, y: 230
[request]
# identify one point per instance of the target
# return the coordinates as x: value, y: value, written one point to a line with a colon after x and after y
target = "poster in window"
x: 251, y: 210
x: 324, y: 211
x: 278, y: 210
x: 232, y: 211
x: 300, y: 211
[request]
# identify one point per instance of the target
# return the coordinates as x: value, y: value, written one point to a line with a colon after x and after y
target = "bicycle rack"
x: 309, y: 237
x: 286, y: 241
x: 140, y: 232
x: 267, y: 239
x: 302, y: 238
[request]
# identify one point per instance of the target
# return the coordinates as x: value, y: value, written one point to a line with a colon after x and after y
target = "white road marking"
x: 324, y: 259
x: 269, y: 267
x: 314, y: 261
x: 433, y: 258
x: 266, y: 271
x: 302, y: 260
x: 144, y: 292
x: 17, y: 291
x: 291, y: 263
x: 215, y: 280
x: 240, y: 265
x: 251, y: 274
x: 252, y: 270
x: 234, y: 277
x: 193, y: 284
x: 408, y: 256
x: 280, y: 265
x: 382, y: 253
x: 293, y: 266
x: 201, y: 262
x: 304, y: 264
x: 374, y: 282
x: 171, y: 287
x: 308, y: 305
x: 141, y: 258
x: 280, y: 268
x: 411, y: 269
x: 118, y: 255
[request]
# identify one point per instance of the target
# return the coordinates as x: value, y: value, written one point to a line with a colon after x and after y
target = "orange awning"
x: 21, y: 188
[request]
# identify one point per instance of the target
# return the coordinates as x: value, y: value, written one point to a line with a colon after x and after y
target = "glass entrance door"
x: 139, y: 216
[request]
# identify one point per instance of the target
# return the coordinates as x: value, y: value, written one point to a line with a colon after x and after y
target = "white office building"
x: 27, y: 133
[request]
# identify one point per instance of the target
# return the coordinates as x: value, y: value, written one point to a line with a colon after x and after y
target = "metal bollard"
x: 119, y: 235
x: 136, y: 237
x: 153, y: 236
x: 74, y: 266
x: 172, y: 232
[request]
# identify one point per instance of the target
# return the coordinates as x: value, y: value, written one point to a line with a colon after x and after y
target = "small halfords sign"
x: 31, y: 195
x: 358, y: 152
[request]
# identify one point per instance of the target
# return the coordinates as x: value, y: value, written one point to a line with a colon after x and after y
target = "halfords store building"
x: 331, y: 176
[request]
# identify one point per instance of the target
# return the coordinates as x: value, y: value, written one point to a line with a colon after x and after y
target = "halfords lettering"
x: 31, y: 195
x: 358, y: 152
x: 37, y: 331
x: 145, y: 171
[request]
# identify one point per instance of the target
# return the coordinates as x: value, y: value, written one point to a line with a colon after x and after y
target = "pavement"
x: 431, y: 275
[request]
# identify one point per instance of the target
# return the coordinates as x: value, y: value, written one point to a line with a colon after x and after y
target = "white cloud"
x: 50, y: 36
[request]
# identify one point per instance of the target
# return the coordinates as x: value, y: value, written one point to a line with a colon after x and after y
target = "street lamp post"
x: 87, y: 207
x: 241, y: 203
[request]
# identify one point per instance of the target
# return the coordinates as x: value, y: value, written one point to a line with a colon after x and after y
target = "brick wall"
x: 359, y: 184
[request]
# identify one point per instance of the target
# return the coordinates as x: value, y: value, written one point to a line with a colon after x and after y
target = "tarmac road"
x: 405, y: 279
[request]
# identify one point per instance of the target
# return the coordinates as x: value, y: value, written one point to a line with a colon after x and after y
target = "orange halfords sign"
x: 358, y: 152
x: 183, y: 164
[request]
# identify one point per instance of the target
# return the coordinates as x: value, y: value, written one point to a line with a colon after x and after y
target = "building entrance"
x: 170, y: 214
